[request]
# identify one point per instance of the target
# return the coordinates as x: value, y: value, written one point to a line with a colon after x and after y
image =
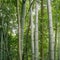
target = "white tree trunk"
x: 32, y: 30
x: 36, y: 32
x: 51, y: 38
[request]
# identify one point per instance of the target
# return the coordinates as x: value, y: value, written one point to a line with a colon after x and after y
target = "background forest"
x: 29, y: 30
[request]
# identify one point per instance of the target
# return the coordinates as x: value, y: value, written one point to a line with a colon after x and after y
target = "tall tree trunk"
x: 23, y: 13
x: 36, y: 32
x: 42, y: 34
x: 19, y: 31
x: 51, y: 38
x: 32, y: 29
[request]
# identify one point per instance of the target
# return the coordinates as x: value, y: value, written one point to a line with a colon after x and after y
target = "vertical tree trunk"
x: 23, y: 11
x: 32, y: 29
x: 36, y: 32
x: 51, y: 38
x: 42, y: 34
x: 19, y: 31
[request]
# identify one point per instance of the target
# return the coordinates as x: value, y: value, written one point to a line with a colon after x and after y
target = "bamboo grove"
x: 29, y: 29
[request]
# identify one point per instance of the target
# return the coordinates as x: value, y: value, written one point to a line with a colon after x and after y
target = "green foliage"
x: 8, y: 14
